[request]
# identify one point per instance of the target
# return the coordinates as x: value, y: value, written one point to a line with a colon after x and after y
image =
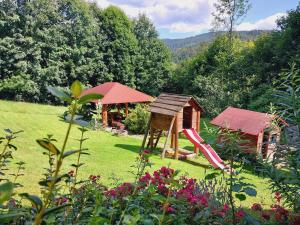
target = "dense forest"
x: 55, y: 42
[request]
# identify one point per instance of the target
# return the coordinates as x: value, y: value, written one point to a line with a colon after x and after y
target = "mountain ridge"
x: 183, y: 48
x: 209, y: 36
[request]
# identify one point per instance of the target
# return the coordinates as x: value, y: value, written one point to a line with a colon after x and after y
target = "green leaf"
x: 68, y: 153
x: 211, y: 176
x: 48, y: 181
x: 158, y: 198
x: 54, y: 209
x: 89, y: 97
x: 250, y: 191
x: 241, y: 197
x: 6, y: 191
x: 12, y: 146
x: 76, y: 88
x: 77, y: 166
x: 236, y: 187
x: 49, y: 146
x: 59, y: 94
x: 35, y: 200
x: 6, y: 218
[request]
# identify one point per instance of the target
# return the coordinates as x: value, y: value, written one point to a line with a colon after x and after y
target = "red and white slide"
x: 206, y: 149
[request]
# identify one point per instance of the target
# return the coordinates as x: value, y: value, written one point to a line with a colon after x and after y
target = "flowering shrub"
x: 277, y: 215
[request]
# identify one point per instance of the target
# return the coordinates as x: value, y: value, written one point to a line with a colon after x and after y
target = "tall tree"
x: 229, y: 13
x: 153, y: 59
x: 121, y: 48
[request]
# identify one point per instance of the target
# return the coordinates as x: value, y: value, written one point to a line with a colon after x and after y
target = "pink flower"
x: 256, y: 207
x: 203, y: 201
x: 170, y: 210
x: 225, y: 207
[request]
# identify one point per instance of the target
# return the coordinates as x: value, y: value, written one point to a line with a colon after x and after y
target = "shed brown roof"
x: 171, y: 104
x: 247, y: 121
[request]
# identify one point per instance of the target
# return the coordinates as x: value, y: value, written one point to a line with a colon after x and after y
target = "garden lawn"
x: 110, y: 156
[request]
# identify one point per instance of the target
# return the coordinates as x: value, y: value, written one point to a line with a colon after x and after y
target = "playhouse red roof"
x: 115, y: 93
x: 249, y: 122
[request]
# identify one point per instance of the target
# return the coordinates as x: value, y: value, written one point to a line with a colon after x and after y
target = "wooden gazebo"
x: 115, y: 93
x: 172, y: 113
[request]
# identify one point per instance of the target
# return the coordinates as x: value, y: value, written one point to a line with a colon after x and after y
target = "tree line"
x: 53, y: 43
x: 244, y: 74
x: 50, y: 42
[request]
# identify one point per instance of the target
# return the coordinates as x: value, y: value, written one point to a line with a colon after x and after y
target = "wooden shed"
x: 256, y: 127
x: 172, y: 113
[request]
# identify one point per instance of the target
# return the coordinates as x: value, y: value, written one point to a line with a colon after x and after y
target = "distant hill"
x: 186, y: 47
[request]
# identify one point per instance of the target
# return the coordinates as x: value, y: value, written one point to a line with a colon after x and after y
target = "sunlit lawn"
x: 110, y: 156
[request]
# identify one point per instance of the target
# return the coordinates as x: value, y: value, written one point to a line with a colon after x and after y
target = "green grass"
x: 110, y: 155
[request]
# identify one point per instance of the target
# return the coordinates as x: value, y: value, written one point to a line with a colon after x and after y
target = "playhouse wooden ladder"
x: 155, y: 135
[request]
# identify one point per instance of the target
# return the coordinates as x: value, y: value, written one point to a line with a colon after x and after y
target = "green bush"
x: 137, y: 119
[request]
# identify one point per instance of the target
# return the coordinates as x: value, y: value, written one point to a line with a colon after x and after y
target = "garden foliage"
x: 137, y: 119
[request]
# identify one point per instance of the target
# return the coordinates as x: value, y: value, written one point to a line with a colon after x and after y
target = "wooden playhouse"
x: 172, y: 113
x: 256, y: 127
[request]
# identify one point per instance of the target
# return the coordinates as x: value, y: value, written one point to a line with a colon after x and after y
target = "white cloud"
x: 268, y: 23
x: 182, y: 16
x: 174, y: 15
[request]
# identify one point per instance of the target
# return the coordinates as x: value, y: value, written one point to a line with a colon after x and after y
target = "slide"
x: 206, y: 149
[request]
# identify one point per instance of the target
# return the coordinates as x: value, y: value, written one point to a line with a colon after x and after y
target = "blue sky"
x: 183, y: 18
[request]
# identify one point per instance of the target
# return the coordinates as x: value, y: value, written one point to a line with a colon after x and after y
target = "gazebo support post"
x: 104, y: 115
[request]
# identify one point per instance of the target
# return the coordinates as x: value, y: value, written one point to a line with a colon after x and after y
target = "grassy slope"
x: 109, y: 154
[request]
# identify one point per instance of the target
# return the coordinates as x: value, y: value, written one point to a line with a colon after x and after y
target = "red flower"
x: 256, y: 207
x: 277, y: 196
x: 266, y: 216
x: 61, y: 200
x: 94, y: 178
x: 281, y: 213
x: 146, y: 178
x: 296, y: 220
x: 146, y: 152
x: 111, y: 192
x: 240, y: 214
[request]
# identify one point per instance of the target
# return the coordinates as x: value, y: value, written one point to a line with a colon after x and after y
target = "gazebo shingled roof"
x: 116, y: 93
